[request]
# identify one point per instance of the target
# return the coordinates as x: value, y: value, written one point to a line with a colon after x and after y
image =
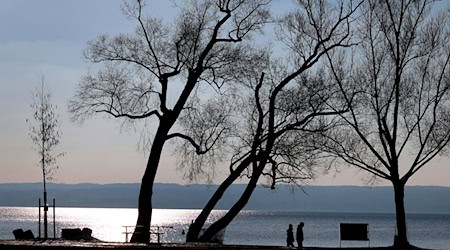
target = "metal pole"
x: 39, y: 230
x: 54, y: 217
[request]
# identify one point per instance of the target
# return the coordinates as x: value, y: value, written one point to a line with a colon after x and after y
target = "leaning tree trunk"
x: 234, y: 211
x: 401, y: 239
x: 141, y: 233
x: 194, y: 228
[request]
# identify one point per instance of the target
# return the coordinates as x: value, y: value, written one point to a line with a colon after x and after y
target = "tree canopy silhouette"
x: 283, y: 109
x: 156, y: 71
x: 397, y: 82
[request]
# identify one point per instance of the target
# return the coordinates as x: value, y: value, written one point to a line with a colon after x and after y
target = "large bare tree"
x: 153, y: 72
x: 399, y: 80
x: 285, y: 107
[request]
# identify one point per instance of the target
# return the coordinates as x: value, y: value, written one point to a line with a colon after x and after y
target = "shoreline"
x: 82, y: 245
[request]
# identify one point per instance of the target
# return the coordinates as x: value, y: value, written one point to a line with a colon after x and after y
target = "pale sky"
x: 48, y: 37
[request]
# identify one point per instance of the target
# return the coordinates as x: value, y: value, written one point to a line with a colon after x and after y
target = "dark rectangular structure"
x: 354, y: 231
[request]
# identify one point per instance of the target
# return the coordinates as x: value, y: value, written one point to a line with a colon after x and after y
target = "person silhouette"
x: 290, y: 236
x: 299, y: 234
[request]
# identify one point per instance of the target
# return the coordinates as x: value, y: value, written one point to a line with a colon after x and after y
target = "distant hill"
x: 418, y: 199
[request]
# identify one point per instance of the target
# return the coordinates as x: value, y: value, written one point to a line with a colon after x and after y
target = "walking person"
x: 290, y: 236
x: 299, y: 235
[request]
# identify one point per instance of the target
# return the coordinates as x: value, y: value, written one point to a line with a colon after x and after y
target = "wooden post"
x: 39, y: 228
x: 157, y: 232
x: 54, y: 217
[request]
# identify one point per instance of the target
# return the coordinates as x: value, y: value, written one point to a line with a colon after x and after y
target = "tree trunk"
x: 194, y: 228
x: 223, y: 222
x: 44, y: 177
x: 45, y: 216
x: 400, y: 240
x: 234, y: 211
x: 141, y: 233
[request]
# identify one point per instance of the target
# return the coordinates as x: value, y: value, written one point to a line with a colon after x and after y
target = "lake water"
x: 250, y: 227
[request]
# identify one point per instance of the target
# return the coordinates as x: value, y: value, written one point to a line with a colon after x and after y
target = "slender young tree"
x: 45, y: 134
x: 154, y: 72
x: 399, y: 80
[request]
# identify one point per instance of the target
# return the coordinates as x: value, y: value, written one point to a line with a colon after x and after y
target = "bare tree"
x: 398, y: 80
x: 45, y: 134
x: 153, y: 73
x: 287, y: 107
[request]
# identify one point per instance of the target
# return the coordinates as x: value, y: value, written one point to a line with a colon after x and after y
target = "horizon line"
x: 213, y: 184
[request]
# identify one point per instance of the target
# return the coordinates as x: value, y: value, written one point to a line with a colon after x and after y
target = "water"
x: 250, y: 227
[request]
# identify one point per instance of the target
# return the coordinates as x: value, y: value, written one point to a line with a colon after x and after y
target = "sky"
x: 47, y: 37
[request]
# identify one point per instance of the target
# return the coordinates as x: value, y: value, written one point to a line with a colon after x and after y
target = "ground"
x: 81, y: 245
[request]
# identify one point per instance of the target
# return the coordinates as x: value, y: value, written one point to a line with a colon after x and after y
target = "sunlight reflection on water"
x: 249, y: 227
x: 107, y: 224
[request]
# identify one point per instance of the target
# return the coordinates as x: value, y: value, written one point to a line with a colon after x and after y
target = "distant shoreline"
x: 351, y: 199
